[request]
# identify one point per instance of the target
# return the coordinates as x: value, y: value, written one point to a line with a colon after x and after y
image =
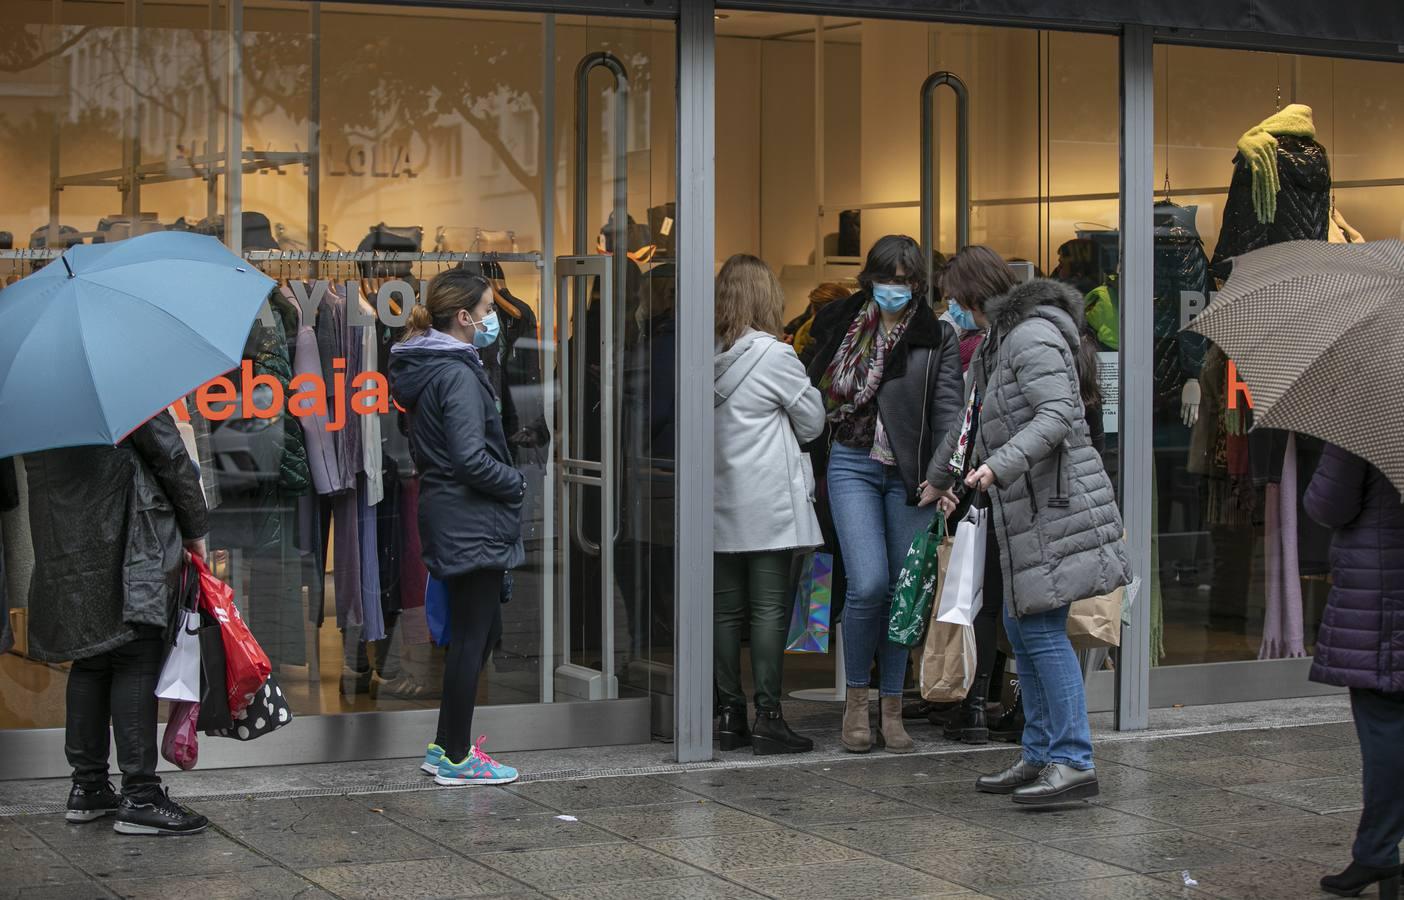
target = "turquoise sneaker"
x: 432, y: 757
x: 478, y: 768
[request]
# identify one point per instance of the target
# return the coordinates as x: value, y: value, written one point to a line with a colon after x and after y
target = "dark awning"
x: 1375, y: 27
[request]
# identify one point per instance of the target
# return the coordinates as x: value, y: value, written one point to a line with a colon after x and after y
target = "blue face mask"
x: 964, y: 318
x: 487, y: 337
x: 892, y: 298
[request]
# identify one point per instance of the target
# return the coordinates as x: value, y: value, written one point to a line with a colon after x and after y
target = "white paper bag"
x: 961, y: 593
x: 180, y: 674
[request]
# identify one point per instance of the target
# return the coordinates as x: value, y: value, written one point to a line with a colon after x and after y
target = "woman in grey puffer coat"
x: 1056, y: 524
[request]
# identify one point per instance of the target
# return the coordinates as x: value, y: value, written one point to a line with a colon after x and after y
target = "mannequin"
x: 1280, y: 191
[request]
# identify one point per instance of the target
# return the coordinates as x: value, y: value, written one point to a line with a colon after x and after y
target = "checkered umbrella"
x: 1317, y: 333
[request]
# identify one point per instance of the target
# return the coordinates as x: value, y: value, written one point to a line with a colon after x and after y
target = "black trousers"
x: 1379, y: 722
x: 475, y: 625
x: 116, y: 688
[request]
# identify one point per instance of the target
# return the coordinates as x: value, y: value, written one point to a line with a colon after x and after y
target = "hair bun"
x: 419, y: 318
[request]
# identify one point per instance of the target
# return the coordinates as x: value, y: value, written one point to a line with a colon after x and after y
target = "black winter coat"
x: 922, y: 387
x: 1361, y: 641
x: 1303, y: 203
x: 470, y: 495
x: 108, y: 525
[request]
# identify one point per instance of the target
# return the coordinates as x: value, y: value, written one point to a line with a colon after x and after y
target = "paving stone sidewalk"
x: 1236, y: 814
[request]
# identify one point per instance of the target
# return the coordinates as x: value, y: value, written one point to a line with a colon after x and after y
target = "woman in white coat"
x: 765, y: 409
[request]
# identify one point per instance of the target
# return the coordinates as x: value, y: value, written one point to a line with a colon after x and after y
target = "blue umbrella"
x: 102, y: 339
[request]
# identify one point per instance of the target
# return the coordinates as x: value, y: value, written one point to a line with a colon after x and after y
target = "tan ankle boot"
x: 857, y: 737
x: 894, y: 735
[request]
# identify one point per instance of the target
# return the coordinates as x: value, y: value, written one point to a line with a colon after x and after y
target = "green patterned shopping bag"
x: 918, y: 585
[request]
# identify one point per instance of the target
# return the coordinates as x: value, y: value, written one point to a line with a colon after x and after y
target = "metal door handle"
x: 928, y: 187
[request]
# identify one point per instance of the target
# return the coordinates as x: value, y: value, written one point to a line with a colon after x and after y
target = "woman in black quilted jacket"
x: 1361, y: 646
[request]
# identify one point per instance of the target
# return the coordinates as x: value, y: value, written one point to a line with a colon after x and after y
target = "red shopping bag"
x: 245, y: 664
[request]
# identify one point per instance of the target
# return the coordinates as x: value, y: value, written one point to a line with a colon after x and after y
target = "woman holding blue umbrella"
x: 92, y: 346
x: 111, y: 526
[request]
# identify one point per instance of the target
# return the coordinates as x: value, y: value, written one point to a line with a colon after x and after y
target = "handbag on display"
x: 809, y: 621
x: 918, y: 584
x: 179, y: 680
x: 180, y: 744
x: 963, y: 587
x: 266, y: 713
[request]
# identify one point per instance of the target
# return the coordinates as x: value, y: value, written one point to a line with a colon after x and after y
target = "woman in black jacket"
x: 889, y: 373
x: 470, y: 499
x: 111, y: 528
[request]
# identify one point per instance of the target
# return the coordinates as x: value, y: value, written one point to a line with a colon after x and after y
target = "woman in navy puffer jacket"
x: 1361, y: 646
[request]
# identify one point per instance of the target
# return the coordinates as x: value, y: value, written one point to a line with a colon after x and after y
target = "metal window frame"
x: 1137, y: 381
x: 693, y: 508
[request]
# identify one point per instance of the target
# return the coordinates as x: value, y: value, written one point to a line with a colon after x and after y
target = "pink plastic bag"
x: 180, y: 745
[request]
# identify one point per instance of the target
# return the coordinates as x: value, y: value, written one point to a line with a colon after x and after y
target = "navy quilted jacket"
x: 1361, y: 642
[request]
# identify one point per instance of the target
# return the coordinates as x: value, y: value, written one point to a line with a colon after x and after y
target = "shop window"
x: 1239, y: 570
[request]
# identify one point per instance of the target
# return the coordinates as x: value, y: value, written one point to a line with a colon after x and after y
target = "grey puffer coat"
x: 1055, y: 512
x: 108, y: 525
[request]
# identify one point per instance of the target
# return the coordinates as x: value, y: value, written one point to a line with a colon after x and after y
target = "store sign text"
x: 220, y: 399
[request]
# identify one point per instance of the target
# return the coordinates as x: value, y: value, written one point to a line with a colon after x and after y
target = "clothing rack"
x: 431, y: 256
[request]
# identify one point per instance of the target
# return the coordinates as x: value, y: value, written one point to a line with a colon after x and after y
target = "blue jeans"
x: 875, y: 529
x: 1050, y: 679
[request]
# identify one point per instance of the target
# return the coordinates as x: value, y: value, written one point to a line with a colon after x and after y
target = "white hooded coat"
x: 765, y: 410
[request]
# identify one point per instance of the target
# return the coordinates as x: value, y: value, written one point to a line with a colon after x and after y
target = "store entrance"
x: 353, y: 151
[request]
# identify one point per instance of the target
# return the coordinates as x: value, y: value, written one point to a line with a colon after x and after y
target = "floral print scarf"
x: 855, y: 373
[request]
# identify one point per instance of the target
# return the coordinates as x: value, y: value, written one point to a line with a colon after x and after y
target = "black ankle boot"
x: 968, y: 725
x: 1356, y: 878
x: 1009, y: 727
x: 731, y: 729
x: 770, y: 735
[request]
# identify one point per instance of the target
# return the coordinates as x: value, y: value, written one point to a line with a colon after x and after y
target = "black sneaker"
x: 156, y: 815
x: 90, y: 804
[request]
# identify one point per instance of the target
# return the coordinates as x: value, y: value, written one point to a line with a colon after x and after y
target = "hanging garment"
x: 321, y: 451
x: 413, y: 576
x: 1302, y: 203
x: 390, y: 544
x: 369, y: 424
x: 331, y: 331
x: 521, y: 362
x: 18, y: 545
x: 372, y: 618
x: 1282, y: 624
x: 209, y: 477
x: 1181, y: 273
x: 346, y: 566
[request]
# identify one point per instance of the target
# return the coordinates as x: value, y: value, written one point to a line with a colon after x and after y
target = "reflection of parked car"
x: 247, y: 451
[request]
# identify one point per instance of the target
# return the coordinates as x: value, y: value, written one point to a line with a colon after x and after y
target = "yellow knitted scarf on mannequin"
x: 1259, y: 148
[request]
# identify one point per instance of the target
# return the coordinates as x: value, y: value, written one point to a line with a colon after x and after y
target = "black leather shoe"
x: 88, y: 804
x: 941, y: 714
x: 1356, y: 878
x: 916, y: 709
x: 1016, y: 776
x: 770, y: 735
x: 157, y: 814
x: 732, y: 732
x: 968, y: 725
x: 1056, y: 784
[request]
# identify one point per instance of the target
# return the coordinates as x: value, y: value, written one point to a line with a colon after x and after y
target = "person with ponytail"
x: 470, y: 499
